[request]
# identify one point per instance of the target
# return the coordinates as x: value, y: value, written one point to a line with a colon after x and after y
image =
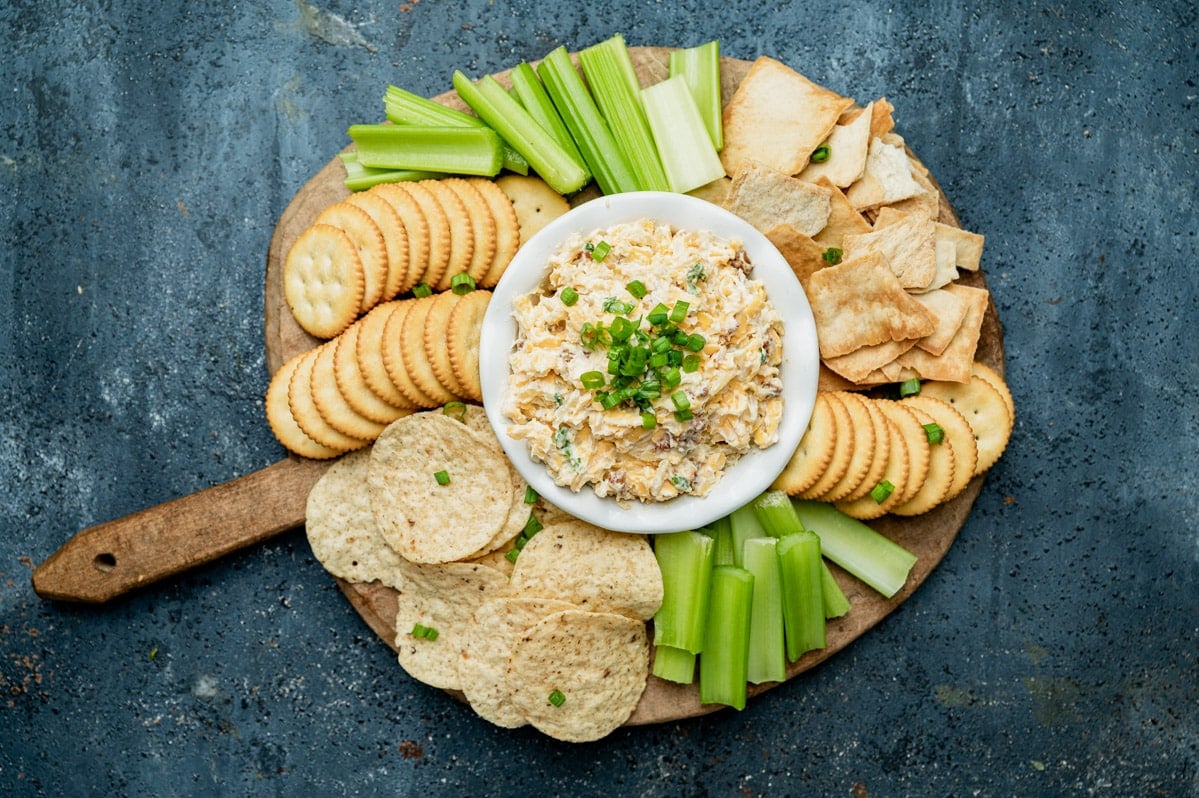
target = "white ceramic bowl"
x: 750, y: 475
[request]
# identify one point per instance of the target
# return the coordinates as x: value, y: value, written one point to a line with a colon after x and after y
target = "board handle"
x: 110, y: 559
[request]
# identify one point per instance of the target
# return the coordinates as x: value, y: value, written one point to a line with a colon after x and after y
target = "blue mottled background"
x: 146, y: 151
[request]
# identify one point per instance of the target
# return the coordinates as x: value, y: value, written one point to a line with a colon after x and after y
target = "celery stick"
x: 674, y: 664
x: 360, y: 178
x: 457, y: 150
x: 510, y: 119
x: 685, y: 559
x: 405, y: 108
x: 776, y: 513
x: 857, y: 548
x: 722, y: 666
x: 617, y: 91
x: 835, y: 603
x: 586, y: 125
x: 700, y: 67
x: 687, y: 153
x: 803, y: 600
x: 532, y: 95
x: 745, y: 526
x: 767, y: 662
x: 722, y: 531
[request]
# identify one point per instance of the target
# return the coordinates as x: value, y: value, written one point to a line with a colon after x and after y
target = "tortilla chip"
x: 859, y: 302
x: 843, y: 218
x: 802, y: 254
x: 766, y: 198
x: 887, y: 179
x: 954, y: 363
x: 778, y: 117
x: 848, y: 145
x: 907, y: 241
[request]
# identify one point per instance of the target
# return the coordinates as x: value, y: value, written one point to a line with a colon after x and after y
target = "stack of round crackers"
x: 857, y: 442
x: 535, y: 617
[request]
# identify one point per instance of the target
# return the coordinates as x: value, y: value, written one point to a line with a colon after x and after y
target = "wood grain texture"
x: 928, y: 536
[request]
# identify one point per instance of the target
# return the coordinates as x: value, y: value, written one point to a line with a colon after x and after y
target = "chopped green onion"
x: 803, y: 597
x: 670, y: 377
x: 700, y: 68
x: 418, y: 630
x: 658, y: 315
x: 637, y: 289
x: 868, y: 555
x: 674, y: 664
x: 431, y: 634
x: 421, y: 290
x: 532, y: 526
x: 909, y: 387
x: 934, y: 432
x: 725, y: 660
x: 592, y: 380
x: 832, y: 255
x: 683, y: 415
x: 679, y: 311
x: 691, y: 364
x: 696, y: 342
x: 681, y: 400
x: 821, y: 154
x: 442, y: 477
x: 557, y: 698
x: 688, y: 155
x: 462, y: 283
x: 600, y: 251
x: 512, y: 555
x: 621, y: 328
x: 569, y: 296
x: 685, y: 560
x: 767, y: 659
x: 501, y: 111
x: 648, y: 420
x: 455, y: 410
x: 457, y: 150
x: 530, y: 495
x: 882, y: 491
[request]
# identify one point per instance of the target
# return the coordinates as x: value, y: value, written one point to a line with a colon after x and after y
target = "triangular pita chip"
x: 779, y: 117
x: 950, y: 310
x: 802, y: 254
x: 907, y: 241
x: 843, y: 218
x: 860, y: 302
x: 766, y: 198
x: 888, y: 177
x: 881, y: 121
x: 857, y: 365
x: 968, y: 247
x: 848, y: 145
x: 954, y: 363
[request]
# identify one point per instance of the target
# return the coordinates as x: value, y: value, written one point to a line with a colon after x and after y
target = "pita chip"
x: 950, y: 310
x: 955, y: 361
x: 859, y: 302
x: 779, y: 117
x: 857, y: 365
x: 906, y: 240
x: 843, y: 218
x: 968, y: 247
x: 887, y: 179
x: 802, y: 254
x: 766, y: 198
x: 848, y: 145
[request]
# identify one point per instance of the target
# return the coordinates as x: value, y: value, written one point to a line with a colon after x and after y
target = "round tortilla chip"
x: 423, y: 520
x: 598, y: 662
x: 593, y: 568
x: 341, y: 528
x: 443, y: 597
x: 498, y: 626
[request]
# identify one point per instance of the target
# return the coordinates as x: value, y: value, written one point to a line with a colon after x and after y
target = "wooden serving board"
x: 928, y: 537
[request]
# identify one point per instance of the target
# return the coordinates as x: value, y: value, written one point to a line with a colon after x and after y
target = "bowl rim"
x: 755, y: 471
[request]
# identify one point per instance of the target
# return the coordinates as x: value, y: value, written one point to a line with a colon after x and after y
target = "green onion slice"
x: 882, y: 491
x: 821, y: 154
x: 832, y: 255
x: 462, y: 283
x: 455, y: 410
x: 600, y: 251
x: 569, y: 296
x: 557, y: 698
x: 934, y: 433
x: 442, y: 477
x: 679, y: 311
x: 637, y: 289
x: 909, y: 387
x: 592, y: 380
x: 421, y: 290
x: 530, y: 495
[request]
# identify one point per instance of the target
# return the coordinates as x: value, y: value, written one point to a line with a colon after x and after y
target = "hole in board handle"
x: 105, y: 562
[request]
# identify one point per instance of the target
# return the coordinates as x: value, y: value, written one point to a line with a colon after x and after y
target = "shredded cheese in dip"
x: 652, y: 452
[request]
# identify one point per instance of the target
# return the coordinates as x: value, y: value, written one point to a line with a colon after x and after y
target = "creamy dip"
x: 709, y: 390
